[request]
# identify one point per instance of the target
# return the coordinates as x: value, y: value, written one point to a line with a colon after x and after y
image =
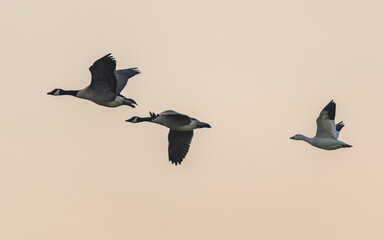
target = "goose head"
x: 298, y: 137
x: 134, y: 119
x: 56, y: 92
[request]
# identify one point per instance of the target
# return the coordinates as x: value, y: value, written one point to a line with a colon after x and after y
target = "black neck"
x: 69, y: 92
x: 146, y: 119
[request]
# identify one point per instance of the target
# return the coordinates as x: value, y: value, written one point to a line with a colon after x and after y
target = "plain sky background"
x: 257, y: 71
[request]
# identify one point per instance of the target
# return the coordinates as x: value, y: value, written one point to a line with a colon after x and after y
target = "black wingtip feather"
x: 109, y: 55
x: 153, y: 115
x: 331, y: 109
x: 135, y: 70
x: 176, y: 162
x: 108, y: 60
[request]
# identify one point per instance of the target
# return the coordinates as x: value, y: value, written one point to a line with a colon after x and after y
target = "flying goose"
x: 327, y: 132
x: 106, y: 84
x: 180, y: 134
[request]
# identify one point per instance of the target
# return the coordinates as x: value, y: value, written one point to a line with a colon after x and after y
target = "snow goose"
x: 181, y: 131
x: 106, y: 84
x: 327, y: 132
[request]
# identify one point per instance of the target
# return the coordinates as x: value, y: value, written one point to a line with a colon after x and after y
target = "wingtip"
x: 175, y: 162
x: 109, y: 55
x: 136, y: 70
x: 331, y: 109
x: 153, y: 115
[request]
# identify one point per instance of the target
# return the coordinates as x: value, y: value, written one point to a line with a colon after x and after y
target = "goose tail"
x: 128, y: 101
x: 346, y: 145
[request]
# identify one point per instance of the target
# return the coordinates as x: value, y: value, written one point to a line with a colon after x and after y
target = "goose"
x: 327, y: 132
x: 180, y: 134
x: 106, y: 84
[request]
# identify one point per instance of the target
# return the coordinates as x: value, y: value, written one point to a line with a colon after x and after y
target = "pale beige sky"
x: 257, y: 71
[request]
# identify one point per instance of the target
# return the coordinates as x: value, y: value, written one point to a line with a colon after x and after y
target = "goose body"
x: 106, y: 84
x: 327, y: 133
x: 181, y: 131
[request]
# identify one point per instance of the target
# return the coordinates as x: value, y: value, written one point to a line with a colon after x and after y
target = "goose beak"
x: 51, y: 92
x: 292, y: 137
x: 205, y: 125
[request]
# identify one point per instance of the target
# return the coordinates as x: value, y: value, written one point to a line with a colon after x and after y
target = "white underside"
x: 189, y: 127
x: 117, y: 102
x: 192, y: 125
x: 326, y: 143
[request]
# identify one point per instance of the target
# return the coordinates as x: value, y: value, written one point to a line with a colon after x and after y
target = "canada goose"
x: 181, y: 131
x: 327, y: 132
x: 106, y: 84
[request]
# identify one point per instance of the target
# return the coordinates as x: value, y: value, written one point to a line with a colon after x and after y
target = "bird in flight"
x: 327, y: 133
x: 180, y: 134
x: 106, y: 84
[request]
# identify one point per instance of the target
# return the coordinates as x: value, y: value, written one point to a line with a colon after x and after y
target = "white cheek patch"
x: 57, y: 93
x: 134, y: 120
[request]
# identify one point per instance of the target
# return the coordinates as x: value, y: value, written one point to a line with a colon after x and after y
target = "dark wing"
x: 122, y: 76
x: 178, y: 145
x: 103, y: 74
x: 326, y: 122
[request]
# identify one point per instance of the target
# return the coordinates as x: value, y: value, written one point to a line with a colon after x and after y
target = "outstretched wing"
x: 326, y: 122
x: 103, y: 74
x: 178, y: 147
x: 122, y: 76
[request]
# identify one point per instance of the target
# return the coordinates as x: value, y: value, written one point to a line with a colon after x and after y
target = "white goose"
x: 106, y: 84
x: 327, y: 132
